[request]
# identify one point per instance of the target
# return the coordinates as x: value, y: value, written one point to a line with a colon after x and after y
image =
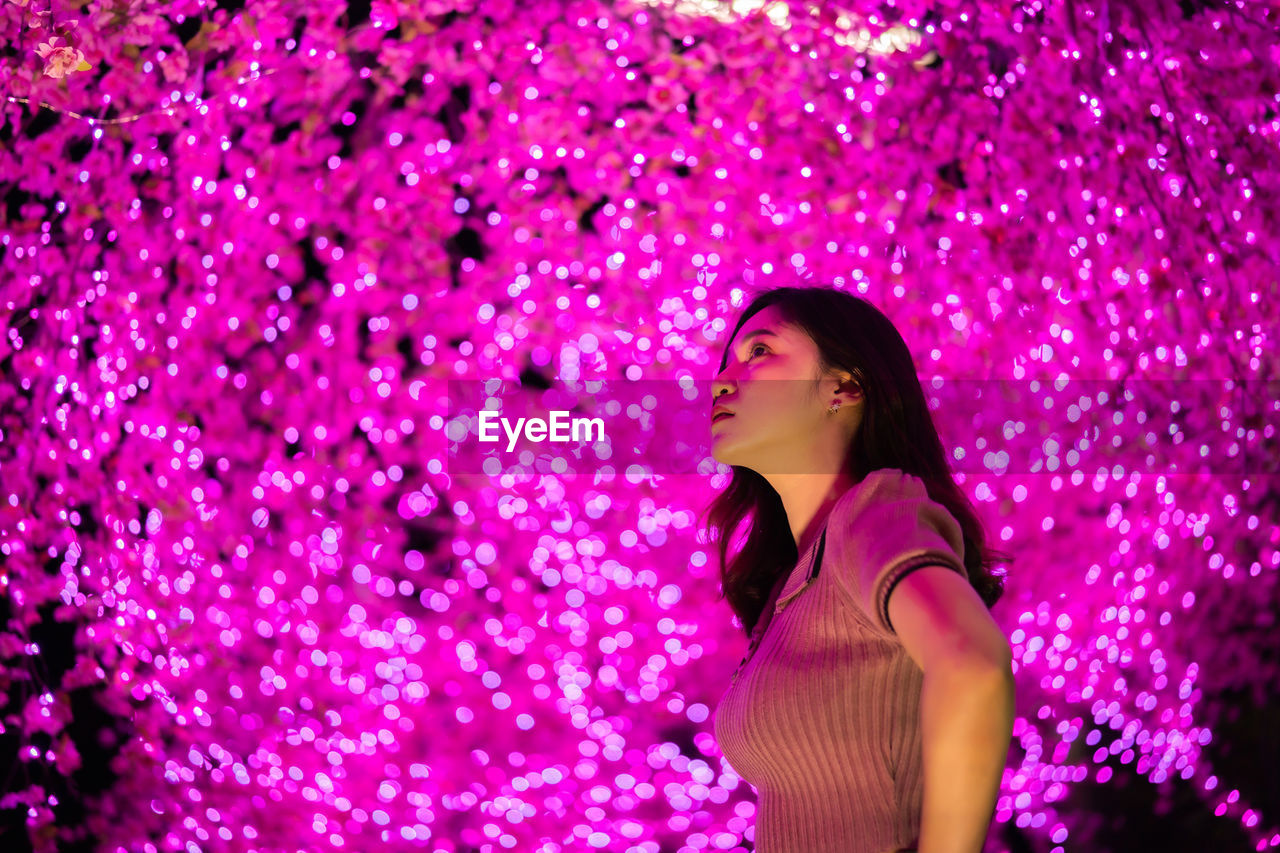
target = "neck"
x: 808, y: 499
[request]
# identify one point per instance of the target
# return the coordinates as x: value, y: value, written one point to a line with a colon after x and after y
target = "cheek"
x: 790, y: 396
x: 781, y: 410
x: 777, y: 400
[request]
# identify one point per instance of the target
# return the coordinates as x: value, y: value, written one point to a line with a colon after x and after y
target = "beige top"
x: 822, y: 719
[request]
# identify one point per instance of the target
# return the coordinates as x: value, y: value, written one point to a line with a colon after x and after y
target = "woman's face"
x: 769, y: 384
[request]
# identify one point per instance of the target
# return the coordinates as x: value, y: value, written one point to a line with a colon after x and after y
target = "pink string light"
x: 228, y: 523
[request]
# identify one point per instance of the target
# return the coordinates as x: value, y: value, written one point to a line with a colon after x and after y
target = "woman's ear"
x: 850, y: 385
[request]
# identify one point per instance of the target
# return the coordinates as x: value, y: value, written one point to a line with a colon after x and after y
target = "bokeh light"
x: 247, y: 605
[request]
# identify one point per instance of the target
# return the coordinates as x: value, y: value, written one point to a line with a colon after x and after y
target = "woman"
x: 874, y: 708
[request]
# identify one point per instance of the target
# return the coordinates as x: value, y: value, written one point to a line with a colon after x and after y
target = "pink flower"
x: 133, y: 25
x: 664, y: 94
x: 384, y: 14
x: 67, y: 758
x: 36, y: 17
x: 46, y: 713
x: 174, y: 65
x: 22, y: 3
x: 60, y: 58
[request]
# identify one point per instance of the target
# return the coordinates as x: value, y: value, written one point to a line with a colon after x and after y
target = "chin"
x: 726, y: 453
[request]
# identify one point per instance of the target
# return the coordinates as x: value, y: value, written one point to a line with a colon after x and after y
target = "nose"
x: 720, y: 386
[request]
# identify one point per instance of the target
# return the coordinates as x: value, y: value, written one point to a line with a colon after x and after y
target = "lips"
x: 719, y: 416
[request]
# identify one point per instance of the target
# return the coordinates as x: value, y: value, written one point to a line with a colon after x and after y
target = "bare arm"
x: 967, y: 704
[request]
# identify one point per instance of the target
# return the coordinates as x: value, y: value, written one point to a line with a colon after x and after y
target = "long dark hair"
x: 896, y: 431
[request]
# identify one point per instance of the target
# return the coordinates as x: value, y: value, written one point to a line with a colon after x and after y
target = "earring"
x: 834, y: 407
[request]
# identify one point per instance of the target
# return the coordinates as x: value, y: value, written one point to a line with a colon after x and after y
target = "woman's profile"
x: 873, y: 710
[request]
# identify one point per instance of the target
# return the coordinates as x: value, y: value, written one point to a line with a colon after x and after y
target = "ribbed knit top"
x: 822, y: 717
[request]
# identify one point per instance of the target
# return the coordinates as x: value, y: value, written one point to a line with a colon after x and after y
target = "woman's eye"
x: 756, y: 347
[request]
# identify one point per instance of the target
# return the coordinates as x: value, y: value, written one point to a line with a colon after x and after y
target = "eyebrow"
x: 755, y: 333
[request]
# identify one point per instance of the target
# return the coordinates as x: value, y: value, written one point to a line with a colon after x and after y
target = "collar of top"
x: 806, y: 571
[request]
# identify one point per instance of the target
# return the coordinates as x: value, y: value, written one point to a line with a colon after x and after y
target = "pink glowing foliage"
x: 246, y: 252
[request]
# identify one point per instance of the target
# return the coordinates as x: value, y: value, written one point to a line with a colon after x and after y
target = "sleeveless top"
x: 822, y: 716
